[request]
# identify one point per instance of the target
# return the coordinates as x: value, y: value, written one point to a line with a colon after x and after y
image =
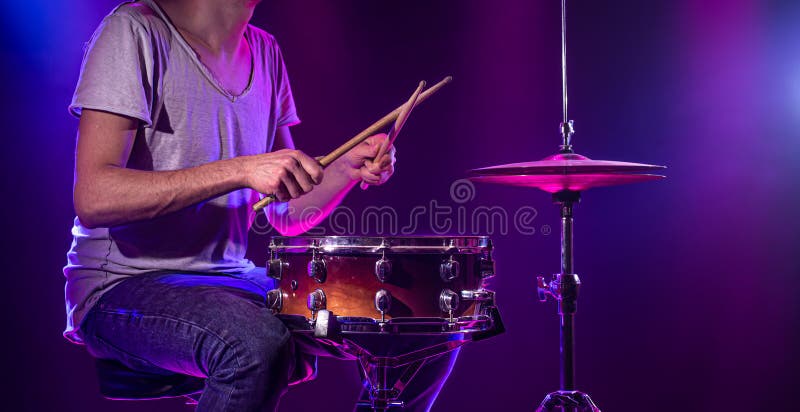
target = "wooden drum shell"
x: 350, y: 286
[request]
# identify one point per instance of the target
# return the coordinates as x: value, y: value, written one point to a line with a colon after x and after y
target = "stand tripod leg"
x: 567, y: 401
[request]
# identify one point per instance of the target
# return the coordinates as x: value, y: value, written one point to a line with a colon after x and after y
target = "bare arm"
x: 302, y: 213
x: 106, y: 193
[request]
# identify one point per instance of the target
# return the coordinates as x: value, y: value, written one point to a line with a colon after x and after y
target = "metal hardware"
x: 449, y: 269
x: 484, y: 300
x: 486, y: 266
x: 448, y: 302
x: 383, y: 393
x: 317, y: 269
x: 543, y: 289
x: 383, y: 302
x: 375, y: 245
x: 481, y: 295
x: 294, y: 285
x: 451, y: 246
x: 563, y: 288
x: 316, y: 301
x: 276, y: 267
x: 274, y: 300
x: 383, y: 267
x: 485, y: 262
x: 326, y: 326
x: 567, y: 400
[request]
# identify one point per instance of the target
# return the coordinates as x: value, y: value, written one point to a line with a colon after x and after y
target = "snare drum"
x: 385, y: 279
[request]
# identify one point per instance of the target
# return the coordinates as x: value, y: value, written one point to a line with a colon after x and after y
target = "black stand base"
x: 567, y: 401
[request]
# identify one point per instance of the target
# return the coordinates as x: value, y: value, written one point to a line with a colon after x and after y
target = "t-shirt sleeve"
x: 117, y: 70
x: 285, y: 111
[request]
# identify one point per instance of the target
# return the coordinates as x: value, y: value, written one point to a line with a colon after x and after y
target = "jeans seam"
x: 183, y: 321
x: 123, y: 351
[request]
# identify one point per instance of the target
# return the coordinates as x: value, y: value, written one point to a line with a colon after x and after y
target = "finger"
x: 282, y: 193
x: 366, y: 150
x: 296, y: 175
x: 388, y: 171
x: 310, y: 166
x: 370, y: 178
x: 379, y: 179
x: 386, y: 147
x: 377, y: 139
x: 372, y: 167
x: 375, y: 143
x: 385, y: 161
x: 291, y: 186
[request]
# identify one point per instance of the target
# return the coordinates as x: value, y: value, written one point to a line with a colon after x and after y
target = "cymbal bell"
x: 565, y: 171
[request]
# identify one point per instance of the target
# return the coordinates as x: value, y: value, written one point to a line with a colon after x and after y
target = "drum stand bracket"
x: 564, y: 289
x: 382, y: 396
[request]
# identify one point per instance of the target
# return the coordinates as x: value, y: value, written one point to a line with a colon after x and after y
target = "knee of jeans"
x: 260, y: 346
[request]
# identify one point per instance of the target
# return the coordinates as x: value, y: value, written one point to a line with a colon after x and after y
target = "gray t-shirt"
x: 138, y: 65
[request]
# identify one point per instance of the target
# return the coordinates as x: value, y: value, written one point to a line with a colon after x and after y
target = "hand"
x: 288, y: 174
x: 360, y: 163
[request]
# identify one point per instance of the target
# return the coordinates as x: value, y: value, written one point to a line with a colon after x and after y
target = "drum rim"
x: 379, y: 244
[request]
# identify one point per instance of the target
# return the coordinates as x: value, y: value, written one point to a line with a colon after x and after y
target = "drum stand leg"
x: 375, y: 373
x: 564, y: 289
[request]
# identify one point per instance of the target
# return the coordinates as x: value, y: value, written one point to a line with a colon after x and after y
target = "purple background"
x: 690, y: 284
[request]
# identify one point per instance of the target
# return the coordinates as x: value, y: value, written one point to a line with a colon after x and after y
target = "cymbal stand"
x: 564, y: 286
x: 564, y: 289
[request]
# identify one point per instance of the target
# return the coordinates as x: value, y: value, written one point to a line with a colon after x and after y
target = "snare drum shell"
x: 414, y: 283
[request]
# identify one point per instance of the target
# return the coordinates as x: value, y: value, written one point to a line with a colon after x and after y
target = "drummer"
x: 184, y: 113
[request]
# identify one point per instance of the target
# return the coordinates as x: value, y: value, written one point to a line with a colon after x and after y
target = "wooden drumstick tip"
x: 266, y: 201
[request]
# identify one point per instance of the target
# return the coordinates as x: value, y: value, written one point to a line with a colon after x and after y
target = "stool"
x: 120, y: 382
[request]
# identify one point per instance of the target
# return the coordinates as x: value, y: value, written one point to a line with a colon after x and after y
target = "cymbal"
x: 569, y: 163
x: 565, y: 172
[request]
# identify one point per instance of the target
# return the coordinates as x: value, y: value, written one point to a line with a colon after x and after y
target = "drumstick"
x: 398, y: 124
x: 357, y: 139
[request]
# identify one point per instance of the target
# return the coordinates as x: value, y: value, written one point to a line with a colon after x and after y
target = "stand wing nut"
x: 545, y: 289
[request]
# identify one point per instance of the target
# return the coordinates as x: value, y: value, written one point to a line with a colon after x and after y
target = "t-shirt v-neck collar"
x: 202, y: 67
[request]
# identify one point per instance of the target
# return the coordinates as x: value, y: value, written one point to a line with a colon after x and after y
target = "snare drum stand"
x: 564, y: 289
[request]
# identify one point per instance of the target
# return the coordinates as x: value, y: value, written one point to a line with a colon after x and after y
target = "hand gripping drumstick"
x: 357, y: 139
x: 398, y: 124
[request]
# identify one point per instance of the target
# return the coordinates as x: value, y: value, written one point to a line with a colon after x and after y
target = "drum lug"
x: 317, y: 269
x: 486, y: 266
x: 383, y: 303
x: 274, y: 300
x: 383, y: 269
x: 448, y: 302
x: 449, y: 269
x: 276, y: 267
x: 316, y: 302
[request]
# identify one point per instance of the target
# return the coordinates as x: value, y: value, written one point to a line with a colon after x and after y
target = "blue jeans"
x: 217, y: 327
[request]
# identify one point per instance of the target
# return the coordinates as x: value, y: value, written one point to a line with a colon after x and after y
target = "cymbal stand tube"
x: 567, y: 305
x: 564, y: 289
x: 566, y: 125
